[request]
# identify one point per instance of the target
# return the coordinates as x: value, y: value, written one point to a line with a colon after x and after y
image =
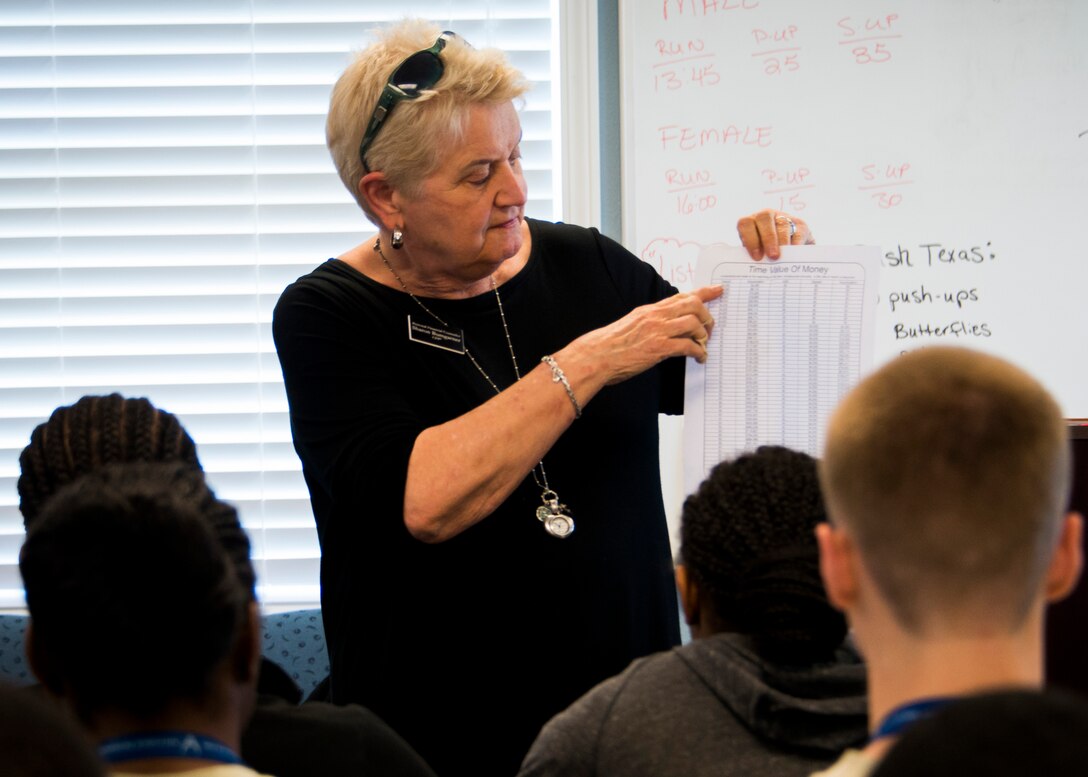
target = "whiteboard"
x: 953, y: 134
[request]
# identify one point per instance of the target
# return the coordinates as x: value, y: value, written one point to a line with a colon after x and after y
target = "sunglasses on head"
x: 418, y: 72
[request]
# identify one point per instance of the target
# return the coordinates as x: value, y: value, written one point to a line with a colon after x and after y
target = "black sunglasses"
x: 418, y: 72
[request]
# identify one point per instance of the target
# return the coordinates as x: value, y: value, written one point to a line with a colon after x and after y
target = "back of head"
x: 414, y: 138
x: 950, y: 469
x: 94, y: 432
x: 98, y: 431
x: 38, y: 740
x: 134, y: 603
x: 1003, y: 733
x: 747, y: 539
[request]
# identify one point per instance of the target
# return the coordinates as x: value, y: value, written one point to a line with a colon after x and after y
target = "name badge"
x: 436, y: 337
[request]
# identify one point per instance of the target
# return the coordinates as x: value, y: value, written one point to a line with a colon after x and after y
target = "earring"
x: 398, y: 239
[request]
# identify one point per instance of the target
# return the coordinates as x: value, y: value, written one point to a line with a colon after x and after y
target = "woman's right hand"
x: 679, y: 325
x: 461, y: 471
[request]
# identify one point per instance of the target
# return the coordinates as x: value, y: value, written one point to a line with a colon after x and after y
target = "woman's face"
x: 467, y: 219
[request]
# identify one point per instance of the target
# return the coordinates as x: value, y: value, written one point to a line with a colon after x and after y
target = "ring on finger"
x: 700, y: 340
x: 788, y: 222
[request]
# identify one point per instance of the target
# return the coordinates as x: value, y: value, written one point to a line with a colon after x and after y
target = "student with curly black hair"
x: 767, y: 686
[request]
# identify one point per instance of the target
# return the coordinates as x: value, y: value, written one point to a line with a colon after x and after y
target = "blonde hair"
x: 951, y: 471
x: 409, y: 145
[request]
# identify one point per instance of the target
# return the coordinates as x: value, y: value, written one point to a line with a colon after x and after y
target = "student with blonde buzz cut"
x: 947, y: 477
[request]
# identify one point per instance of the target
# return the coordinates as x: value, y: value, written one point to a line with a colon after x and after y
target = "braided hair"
x: 95, y: 431
x: 134, y: 599
x: 747, y: 539
x: 101, y: 430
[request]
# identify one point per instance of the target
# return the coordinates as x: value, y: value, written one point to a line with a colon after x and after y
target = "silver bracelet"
x: 559, y: 377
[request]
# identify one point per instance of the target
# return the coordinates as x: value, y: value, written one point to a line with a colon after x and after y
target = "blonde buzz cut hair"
x: 951, y: 471
x: 411, y: 142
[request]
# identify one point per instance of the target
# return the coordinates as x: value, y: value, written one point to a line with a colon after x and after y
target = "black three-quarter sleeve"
x: 352, y: 428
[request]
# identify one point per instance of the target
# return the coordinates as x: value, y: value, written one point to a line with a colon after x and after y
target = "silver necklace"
x: 555, y: 516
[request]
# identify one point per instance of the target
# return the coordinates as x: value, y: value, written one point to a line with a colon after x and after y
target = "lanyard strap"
x: 906, y: 715
x: 166, y: 744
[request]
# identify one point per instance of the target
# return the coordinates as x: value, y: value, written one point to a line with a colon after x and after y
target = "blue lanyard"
x: 166, y: 744
x: 906, y: 715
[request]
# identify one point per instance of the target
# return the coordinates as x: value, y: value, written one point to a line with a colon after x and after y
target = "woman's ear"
x: 380, y: 197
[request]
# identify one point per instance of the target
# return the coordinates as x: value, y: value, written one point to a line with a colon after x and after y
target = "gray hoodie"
x: 710, y: 707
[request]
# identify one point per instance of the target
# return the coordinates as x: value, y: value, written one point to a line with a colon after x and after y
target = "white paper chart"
x: 791, y: 338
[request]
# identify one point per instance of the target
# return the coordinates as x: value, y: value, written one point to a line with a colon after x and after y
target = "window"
x: 163, y: 176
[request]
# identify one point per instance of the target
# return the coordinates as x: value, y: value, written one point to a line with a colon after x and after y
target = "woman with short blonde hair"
x: 486, y: 555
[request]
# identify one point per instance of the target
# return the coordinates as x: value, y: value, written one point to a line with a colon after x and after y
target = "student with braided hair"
x: 98, y: 431
x: 95, y: 431
x: 767, y: 686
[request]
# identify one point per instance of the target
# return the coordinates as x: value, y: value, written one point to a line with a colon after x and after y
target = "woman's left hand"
x: 763, y: 233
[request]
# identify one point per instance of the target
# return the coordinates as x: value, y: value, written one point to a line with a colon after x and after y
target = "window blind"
x: 163, y: 176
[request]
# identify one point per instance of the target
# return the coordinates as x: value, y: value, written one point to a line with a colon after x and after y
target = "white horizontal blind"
x: 163, y: 176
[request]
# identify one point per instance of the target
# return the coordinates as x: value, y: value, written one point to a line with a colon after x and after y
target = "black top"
x: 325, y: 740
x: 468, y: 646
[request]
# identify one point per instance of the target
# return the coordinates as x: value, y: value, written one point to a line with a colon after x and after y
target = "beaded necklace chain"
x: 555, y: 516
